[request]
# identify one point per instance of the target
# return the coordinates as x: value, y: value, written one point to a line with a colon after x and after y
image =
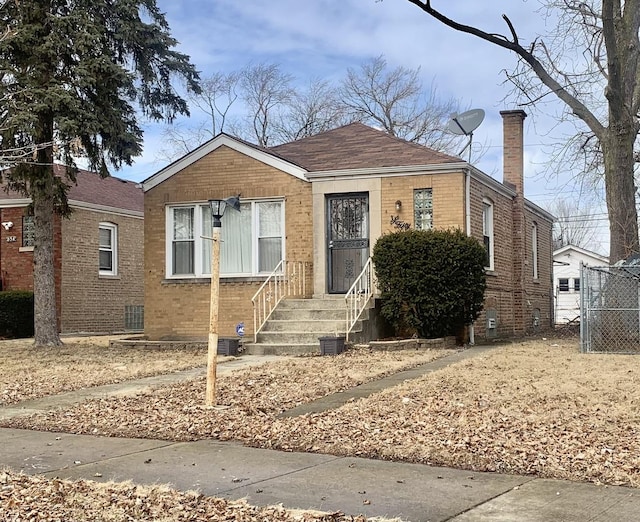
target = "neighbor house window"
x: 28, y: 231
x: 534, y: 249
x: 423, y: 209
x: 576, y: 284
x: 487, y: 232
x: 252, y: 240
x: 108, y: 248
x: 563, y: 284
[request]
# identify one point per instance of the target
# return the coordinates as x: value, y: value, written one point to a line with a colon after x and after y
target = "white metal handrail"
x: 288, y: 279
x: 359, y: 295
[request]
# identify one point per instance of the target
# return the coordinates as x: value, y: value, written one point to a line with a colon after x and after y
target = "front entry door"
x: 347, y: 239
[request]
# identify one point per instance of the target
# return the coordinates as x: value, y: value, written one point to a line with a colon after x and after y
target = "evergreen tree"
x: 74, y: 75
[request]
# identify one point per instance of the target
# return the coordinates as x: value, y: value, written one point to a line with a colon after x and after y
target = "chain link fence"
x: 610, y: 309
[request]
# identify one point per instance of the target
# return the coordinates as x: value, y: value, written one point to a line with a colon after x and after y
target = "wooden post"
x: 212, y: 347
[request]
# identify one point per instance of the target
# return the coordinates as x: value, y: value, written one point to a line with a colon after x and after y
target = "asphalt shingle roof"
x: 94, y: 190
x: 357, y: 146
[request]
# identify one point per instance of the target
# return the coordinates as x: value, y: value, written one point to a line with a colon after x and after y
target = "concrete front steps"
x: 296, y: 324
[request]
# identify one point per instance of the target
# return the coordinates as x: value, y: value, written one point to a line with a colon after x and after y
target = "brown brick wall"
x: 180, y: 309
x: 538, y: 292
x: 514, y: 302
x: 448, y: 199
x: 91, y: 302
x: 499, y: 293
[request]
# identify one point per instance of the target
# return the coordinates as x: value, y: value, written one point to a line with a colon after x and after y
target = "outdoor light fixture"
x: 398, y: 205
x: 218, y: 206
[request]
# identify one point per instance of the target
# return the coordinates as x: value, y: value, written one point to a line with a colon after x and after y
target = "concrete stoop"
x: 296, y: 325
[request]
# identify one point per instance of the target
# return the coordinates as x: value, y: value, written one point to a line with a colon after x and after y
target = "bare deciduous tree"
x: 219, y: 93
x: 396, y: 100
x: 606, y: 33
x: 314, y: 110
x: 273, y: 111
x: 576, y: 224
x: 266, y: 91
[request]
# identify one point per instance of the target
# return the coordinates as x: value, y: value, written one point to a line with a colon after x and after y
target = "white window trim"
x: 113, y: 229
x: 487, y: 204
x: 534, y: 249
x: 205, y: 272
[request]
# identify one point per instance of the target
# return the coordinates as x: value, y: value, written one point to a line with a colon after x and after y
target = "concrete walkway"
x: 412, y: 492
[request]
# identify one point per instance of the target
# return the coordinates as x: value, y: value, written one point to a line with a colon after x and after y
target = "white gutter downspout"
x: 467, y: 212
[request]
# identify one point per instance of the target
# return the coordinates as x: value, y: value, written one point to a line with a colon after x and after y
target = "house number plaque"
x: 11, y: 239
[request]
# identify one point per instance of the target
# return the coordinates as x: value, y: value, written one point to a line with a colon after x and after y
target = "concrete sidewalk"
x: 411, y: 492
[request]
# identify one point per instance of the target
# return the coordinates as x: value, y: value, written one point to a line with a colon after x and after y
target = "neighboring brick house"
x: 325, y: 200
x: 97, y: 253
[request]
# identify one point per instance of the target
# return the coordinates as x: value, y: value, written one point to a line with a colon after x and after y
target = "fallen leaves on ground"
x: 537, y: 407
x: 30, y: 373
x: 24, y: 497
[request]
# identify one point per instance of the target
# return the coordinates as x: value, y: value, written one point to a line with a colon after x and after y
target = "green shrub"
x: 16, y: 313
x: 432, y: 282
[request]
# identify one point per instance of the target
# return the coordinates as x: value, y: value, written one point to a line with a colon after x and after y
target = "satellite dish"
x: 466, y: 123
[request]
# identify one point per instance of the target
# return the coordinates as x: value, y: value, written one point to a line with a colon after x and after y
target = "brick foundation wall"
x: 179, y: 309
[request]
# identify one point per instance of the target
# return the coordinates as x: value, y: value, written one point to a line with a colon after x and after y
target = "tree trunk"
x: 44, y: 280
x: 617, y: 148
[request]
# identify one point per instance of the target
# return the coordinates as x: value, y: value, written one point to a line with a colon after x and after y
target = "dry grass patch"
x: 24, y: 497
x: 29, y: 373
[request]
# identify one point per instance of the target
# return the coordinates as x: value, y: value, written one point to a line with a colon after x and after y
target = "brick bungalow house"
x: 324, y: 200
x: 98, y: 253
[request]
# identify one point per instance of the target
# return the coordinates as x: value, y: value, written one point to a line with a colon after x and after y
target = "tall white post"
x: 212, y: 347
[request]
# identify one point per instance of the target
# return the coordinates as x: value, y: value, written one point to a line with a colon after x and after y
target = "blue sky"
x: 322, y: 39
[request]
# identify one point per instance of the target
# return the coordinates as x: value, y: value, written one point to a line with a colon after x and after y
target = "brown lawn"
x: 30, y: 373
x: 536, y: 407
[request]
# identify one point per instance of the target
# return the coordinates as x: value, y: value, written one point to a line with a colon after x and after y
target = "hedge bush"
x: 16, y: 313
x: 432, y: 282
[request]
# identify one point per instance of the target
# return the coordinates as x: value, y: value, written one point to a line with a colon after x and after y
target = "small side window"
x: 28, y: 231
x: 563, y: 284
x: 108, y: 248
x: 576, y: 284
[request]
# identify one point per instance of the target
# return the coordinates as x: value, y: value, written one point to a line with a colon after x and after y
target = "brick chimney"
x: 513, y: 177
x: 513, y: 149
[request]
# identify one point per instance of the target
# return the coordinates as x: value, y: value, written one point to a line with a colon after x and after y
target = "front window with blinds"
x: 423, y: 209
x: 252, y: 240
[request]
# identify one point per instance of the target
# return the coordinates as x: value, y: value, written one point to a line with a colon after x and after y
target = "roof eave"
x: 400, y: 170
